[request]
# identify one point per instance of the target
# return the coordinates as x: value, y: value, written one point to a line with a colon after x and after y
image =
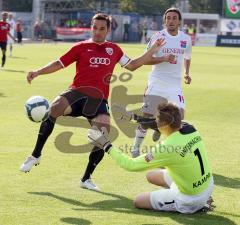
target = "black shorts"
x: 84, y: 105
x: 3, y: 45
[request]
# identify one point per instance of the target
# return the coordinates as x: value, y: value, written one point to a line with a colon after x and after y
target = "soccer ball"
x: 37, y: 108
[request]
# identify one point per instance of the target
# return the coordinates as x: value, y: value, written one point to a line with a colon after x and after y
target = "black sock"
x: 147, y: 123
x: 3, y: 59
x: 94, y: 158
x: 46, y: 129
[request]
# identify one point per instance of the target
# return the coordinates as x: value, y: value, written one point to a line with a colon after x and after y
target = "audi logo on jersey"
x: 100, y: 61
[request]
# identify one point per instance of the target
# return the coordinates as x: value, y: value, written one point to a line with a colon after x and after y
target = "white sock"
x: 140, y: 134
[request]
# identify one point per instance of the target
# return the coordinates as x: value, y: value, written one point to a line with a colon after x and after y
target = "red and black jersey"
x: 4, y: 29
x: 94, y: 66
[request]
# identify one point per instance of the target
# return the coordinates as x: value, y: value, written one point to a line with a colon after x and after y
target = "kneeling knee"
x: 149, y: 177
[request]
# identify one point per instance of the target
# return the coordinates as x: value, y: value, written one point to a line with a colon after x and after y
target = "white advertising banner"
x: 73, y: 33
x: 230, y: 25
x: 206, y: 40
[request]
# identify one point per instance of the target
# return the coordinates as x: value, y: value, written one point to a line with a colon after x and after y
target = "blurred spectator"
x: 154, y: 25
x: 192, y: 32
x: 12, y: 23
x: 192, y: 29
x: 37, y: 30
x: 126, y: 26
x: 19, y: 30
x: 144, y: 32
x: 140, y: 31
x: 185, y: 28
x: 114, y: 26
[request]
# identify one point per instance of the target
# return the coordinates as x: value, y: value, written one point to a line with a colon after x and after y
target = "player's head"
x: 172, y: 19
x: 100, y: 27
x: 10, y: 16
x: 4, y: 16
x: 168, y: 116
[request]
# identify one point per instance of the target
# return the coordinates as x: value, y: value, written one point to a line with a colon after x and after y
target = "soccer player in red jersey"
x: 4, y: 33
x: 87, y: 96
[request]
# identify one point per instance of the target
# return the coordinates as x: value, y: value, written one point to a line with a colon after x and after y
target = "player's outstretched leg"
x: 97, y: 154
x: 144, y: 123
x: 58, y: 108
x: 46, y: 129
x: 95, y: 158
x: 3, y: 59
x: 10, y: 49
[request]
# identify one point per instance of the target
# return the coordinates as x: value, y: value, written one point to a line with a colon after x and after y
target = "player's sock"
x: 140, y: 134
x: 3, y: 60
x: 46, y: 129
x: 11, y: 49
x: 94, y: 158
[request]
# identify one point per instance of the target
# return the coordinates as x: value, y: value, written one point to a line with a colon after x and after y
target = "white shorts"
x: 10, y: 40
x: 173, y: 200
x: 153, y: 97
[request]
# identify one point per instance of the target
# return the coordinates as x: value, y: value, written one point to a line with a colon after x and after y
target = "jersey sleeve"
x: 152, y: 41
x: 188, y: 51
x: 8, y: 27
x: 70, y: 57
x: 144, y: 162
x: 123, y: 59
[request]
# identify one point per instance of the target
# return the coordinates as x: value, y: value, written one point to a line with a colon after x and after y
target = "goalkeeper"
x: 185, y: 172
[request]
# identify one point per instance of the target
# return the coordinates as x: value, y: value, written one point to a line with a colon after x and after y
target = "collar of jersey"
x: 91, y: 41
x: 169, y: 35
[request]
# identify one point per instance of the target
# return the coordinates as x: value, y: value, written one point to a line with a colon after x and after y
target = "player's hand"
x: 169, y: 58
x: 121, y: 112
x: 99, y: 138
x: 31, y: 75
x: 157, y: 45
x: 188, y: 79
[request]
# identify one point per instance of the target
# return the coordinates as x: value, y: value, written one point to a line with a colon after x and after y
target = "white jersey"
x: 168, y: 75
x: 13, y: 26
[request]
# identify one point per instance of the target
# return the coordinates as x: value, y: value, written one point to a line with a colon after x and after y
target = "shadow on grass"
x: 226, y: 181
x: 72, y: 220
x: 121, y: 204
x: 17, y: 57
x: 2, y: 95
x: 13, y: 71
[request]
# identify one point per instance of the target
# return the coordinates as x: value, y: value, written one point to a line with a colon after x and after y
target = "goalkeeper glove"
x: 99, y: 138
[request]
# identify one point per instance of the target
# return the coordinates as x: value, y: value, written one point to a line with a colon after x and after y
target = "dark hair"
x: 169, y: 115
x: 4, y: 13
x: 172, y: 10
x: 102, y: 16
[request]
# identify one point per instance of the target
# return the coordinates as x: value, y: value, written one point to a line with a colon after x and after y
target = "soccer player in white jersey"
x: 12, y: 28
x: 164, y: 81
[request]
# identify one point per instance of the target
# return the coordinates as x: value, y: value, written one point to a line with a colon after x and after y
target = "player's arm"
x: 187, y: 61
x: 64, y: 61
x: 143, y: 162
x: 49, y: 68
x: 147, y: 57
x: 187, y: 77
x: 11, y: 36
x: 166, y: 58
x: 156, y: 60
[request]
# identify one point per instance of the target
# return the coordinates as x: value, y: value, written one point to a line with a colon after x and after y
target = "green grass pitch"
x: 50, y: 193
